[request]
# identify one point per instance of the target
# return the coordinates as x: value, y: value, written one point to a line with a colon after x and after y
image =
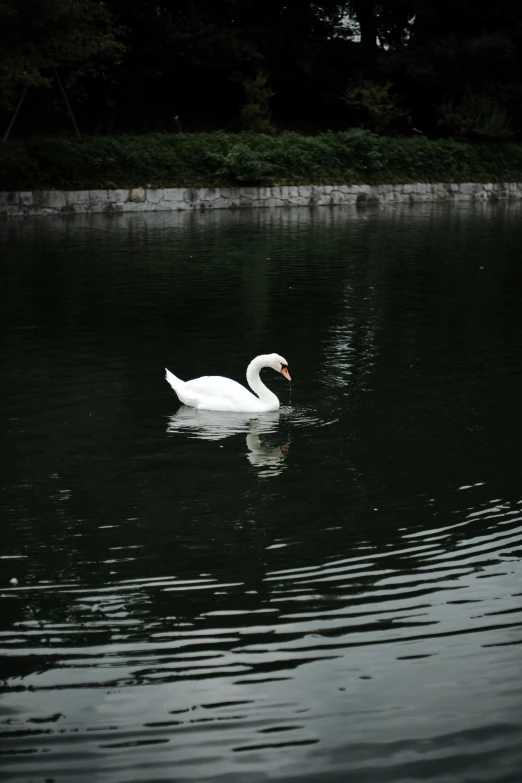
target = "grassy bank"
x: 212, y: 159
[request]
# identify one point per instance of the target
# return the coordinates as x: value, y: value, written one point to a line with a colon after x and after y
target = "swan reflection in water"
x: 215, y: 425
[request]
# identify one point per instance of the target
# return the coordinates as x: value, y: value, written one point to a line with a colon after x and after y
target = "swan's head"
x: 278, y: 364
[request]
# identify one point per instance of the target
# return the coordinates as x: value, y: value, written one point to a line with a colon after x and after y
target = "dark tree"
x: 444, y: 67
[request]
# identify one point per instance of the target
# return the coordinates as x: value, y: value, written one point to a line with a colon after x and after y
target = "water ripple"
x: 329, y: 592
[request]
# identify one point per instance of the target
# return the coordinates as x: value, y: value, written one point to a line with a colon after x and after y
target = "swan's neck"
x: 257, y: 385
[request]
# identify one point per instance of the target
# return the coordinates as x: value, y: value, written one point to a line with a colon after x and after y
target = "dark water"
x: 329, y: 593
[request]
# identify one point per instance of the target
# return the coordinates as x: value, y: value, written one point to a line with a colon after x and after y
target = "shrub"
x: 256, y: 114
x: 475, y: 116
x: 375, y: 102
x: 213, y: 159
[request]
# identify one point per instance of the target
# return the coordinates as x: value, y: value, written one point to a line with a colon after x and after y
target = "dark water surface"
x: 329, y: 593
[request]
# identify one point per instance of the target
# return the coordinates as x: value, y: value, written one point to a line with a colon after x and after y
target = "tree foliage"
x: 39, y: 36
x: 376, y: 102
x: 310, y: 65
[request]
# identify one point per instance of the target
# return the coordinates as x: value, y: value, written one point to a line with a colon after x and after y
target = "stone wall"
x: 57, y: 202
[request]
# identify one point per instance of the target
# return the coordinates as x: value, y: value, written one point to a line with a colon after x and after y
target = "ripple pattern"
x: 331, y: 592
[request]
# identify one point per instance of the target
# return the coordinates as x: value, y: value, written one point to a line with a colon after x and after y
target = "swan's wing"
x: 214, y: 392
x: 217, y: 386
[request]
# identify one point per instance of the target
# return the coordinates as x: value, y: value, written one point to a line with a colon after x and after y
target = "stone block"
x: 209, y: 194
x: 77, y: 197
x: 245, y: 201
x: 367, y: 200
x: 264, y: 193
x: 173, y: 194
x: 231, y: 193
x: 321, y: 199
x: 219, y: 202
x: 97, y: 197
x: 137, y: 195
x: 54, y: 199
x: 40, y: 198
x: 132, y: 206
x: 11, y: 210
x: 8, y: 198
x: 117, y: 196
x: 154, y: 195
x: 440, y: 194
x: 25, y: 198
x: 333, y: 196
x: 249, y: 193
x: 111, y: 208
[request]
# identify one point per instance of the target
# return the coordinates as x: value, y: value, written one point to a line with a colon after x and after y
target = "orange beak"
x: 285, y: 372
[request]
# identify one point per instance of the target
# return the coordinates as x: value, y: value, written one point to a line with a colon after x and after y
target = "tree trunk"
x: 366, y: 16
x: 69, y: 110
x: 15, y: 115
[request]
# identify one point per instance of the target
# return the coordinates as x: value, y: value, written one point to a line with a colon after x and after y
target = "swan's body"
x: 216, y: 393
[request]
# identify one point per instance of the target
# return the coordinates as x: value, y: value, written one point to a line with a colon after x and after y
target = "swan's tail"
x: 176, y: 383
x: 185, y: 394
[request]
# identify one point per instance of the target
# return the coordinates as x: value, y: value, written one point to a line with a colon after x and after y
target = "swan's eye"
x: 284, y: 367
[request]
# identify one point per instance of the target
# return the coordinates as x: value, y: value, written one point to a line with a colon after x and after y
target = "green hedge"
x: 211, y: 159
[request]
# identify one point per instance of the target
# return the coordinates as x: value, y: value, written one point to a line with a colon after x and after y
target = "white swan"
x: 215, y: 393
